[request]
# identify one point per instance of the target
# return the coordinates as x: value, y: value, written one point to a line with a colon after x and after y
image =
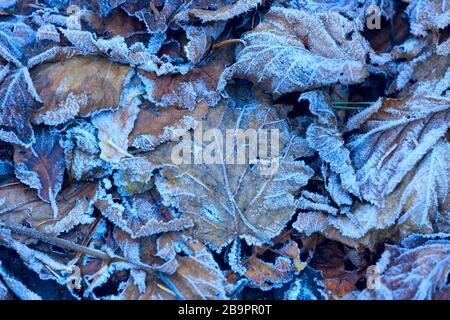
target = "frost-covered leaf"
x: 418, y: 205
x: 139, y: 216
x: 196, y: 277
x: 134, y: 176
x: 397, y: 135
x: 82, y: 152
x: 201, y: 39
x: 266, y: 275
x: 156, y: 20
x: 295, y: 50
x: 42, y: 165
x: 19, y: 289
x: 14, y: 38
x: 428, y: 15
x: 185, y: 91
x: 18, y: 98
x: 80, y: 86
x: 417, y: 269
x: 220, y: 194
x: 164, y: 121
x: 115, y: 126
x: 325, y: 137
x: 225, y: 12
x: 21, y: 205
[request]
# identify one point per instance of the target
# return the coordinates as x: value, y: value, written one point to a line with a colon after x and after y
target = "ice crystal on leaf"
x: 236, y: 208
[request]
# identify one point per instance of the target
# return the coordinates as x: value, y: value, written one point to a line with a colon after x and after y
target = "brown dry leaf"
x: 80, y: 86
x: 115, y: 126
x: 42, y: 165
x: 139, y: 215
x: 417, y: 269
x: 193, y: 276
x: 21, y: 205
x: 225, y: 199
x: 185, y: 91
x: 428, y: 15
x: 295, y: 50
x: 18, y: 100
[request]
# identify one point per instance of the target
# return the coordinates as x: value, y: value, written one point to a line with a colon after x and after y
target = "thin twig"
x: 32, y: 233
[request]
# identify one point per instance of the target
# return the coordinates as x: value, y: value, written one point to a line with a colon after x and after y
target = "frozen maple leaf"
x: 325, y: 137
x: 417, y: 269
x: 223, y: 13
x: 397, y: 135
x: 115, y: 126
x: 80, y: 86
x: 217, y: 189
x: 194, y: 275
x: 21, y: 205
x: 428, y: 15
x: 296, y: 50
x: 42, y: 165
x: 17, y: 101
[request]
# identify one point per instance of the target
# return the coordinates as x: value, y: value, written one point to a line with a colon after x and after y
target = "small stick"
x: 31, y: 233
x: 227, y: 42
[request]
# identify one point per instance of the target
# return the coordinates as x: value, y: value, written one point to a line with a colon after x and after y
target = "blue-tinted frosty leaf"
x: 17, y: 100
x: 296, y: 50
x: 325, y: 137
x: 42, y: 165
x: 21, y: 205
x: 115, y: 126
x: 228, y: 200
x: 359, y: 9
x: 306, y: 287
x: 196, y: 276
x: 83, y: 154
x: 14, y: 37
x: 19, y: 289
x: 428, y: 15
x: 201, y: 39
x: 417, y: 269
x: 397, y: 135
x: 223, y: 13
x: 138, y: 215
